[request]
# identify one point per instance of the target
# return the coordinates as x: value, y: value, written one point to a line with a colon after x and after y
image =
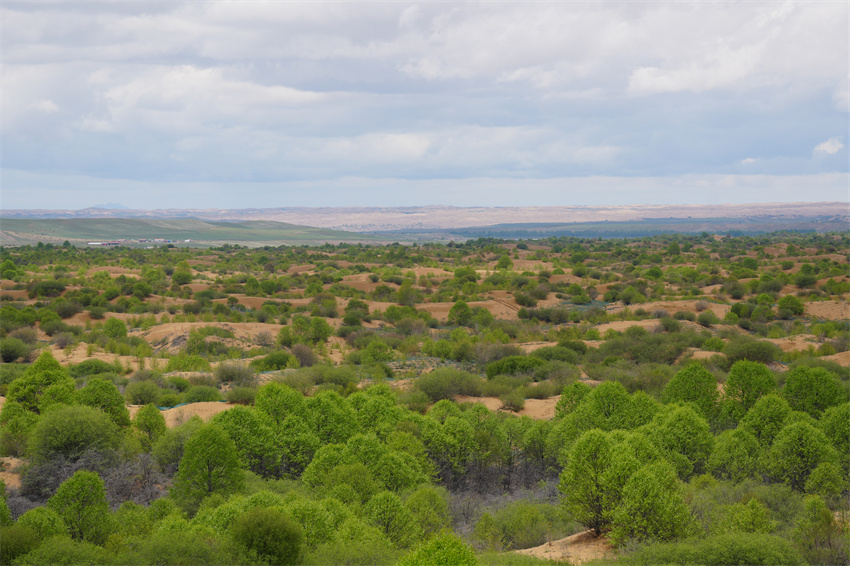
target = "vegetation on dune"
x: 697, y: 389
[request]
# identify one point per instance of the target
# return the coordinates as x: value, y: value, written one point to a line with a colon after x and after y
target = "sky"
x: 246, y: 104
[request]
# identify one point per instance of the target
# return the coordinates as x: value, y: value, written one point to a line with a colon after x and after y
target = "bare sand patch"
x: 621, y: 325
x: 830, y: 310
x: 179, y: 415
x: 575, y: 549
x: 798, y: 343
x: 672, y: 307
x: 539, y: 409
x: 841, y: 358
x: 529, y: 347
x: 9, y: 473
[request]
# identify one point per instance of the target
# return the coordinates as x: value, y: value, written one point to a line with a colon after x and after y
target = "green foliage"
x: 71, y: 431
x: 445, y: 383
x: 685, y: 438
x: 747, y: 348
x: 142, y: 392
x: 747, y: 382
x: 812, y: 389
x: 185, y: 362
x: 797, y: 450
x: 733, y: 549
x: 445, y: 549
x: 150, y: 425
x: 652, y: 507
x: 429, y: 505
x: 584, y: 482
x: 209, y: 465
x: 201, y: 394
x: 693, y: 384
x: 766, y: 418
x: 41, y: 375
x: 735, y: 455
x: 18, y: 540
x: 513, y: 365
x: 115, y: 328
x: 81, y: 503
x: 102, y: 394
x: 271, y: 535
x: 12, y: 349
x: 386, y: 511
x: 275, y: 361
x: 818, y: 535
x: 15, y: 426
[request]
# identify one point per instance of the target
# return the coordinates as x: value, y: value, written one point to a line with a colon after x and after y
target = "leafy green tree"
x: 15, y: 426
x: 747, y: 382
x: 652, y: 507
x: 429, y: 505
x: 334, y: 421
x: 377, y: 352
x: 386, y: 511
x: 685, y: 438
x: 797, y: 450
x: 583, y: 481
x: 271, y: 535
x: 17, y: 541
x: 460, y: 314
x: 102, y: 394
x: 693, y: 384
x: 115, y: 328
x: 210, y: 464
x: 44, y: 373
x: 812, y: 389
x: 792, y: 304
x: 44, y: 521
x: 571, y: 396
x: 818, y: 535
x: 150, y: 425
x: 278, y: 401
x: 71, y: 431
x: 81, y: 503
x: 766, y: 418
x: 835, y: 423
x: 253, y: 434
x: 442, y: 550
x: 750, y: 517
x: 735, y: 455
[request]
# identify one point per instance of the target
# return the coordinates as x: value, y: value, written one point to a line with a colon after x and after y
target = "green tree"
x: 460, y: 314
x: 445, y: 549
x: 747, y: 382
x: 835, y: 423
x: 386, y: 511
x: 797, y: 450
x: 150, y: 425
x: 71, y: 431
x: 583, y: 481
x: 652, y: 507
x: 44, y: 521
x: 271, y: 535
x: 812, y: 389
x: 115, y: 328
x: 44, y: 373
x: 505, y: 262
x: 766, y: 418
x: 693, y: 384
x: 81, y: 503
x: 735, y: 455
x: 210, y: 464
x: 102, y: 394
x: 685, y: 438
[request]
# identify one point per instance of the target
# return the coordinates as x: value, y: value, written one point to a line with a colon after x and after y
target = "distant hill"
x: 138, y: 232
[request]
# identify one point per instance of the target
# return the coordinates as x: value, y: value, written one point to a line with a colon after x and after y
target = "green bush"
x: 185, y: 362
x: 512, y: 365
x: 275, y: 361
x: 241, y: 395
x: 17, y: 541
x: 271, y: 535
x: 71, y: 431
x: 445, y: 383
x: 746, y: 348
x: 235, y: 373
x: 11, y: 349
x: 201, y: 394
x: 733, y: 549
x: 142, y: 392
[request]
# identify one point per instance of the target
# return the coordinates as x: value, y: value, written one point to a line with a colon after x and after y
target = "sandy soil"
x: 621, y: 325
x: 576, y: 549
x: 841, y: 358
x: 179, y: 415
x: 830, y: 310
x: 532, y: 346
x: 672, y: 307
x: 8, y: 465
x: 20, y: 294
x: 78, y: 355
x: 797, y: 343
x: 539, y: 409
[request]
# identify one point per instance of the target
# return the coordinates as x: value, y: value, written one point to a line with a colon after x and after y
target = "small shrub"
x: 685, y: 315
x: 201, y: 394
x: 241, y: 395
x: 513, y: 401
x: 142, y: 393
x: 275, y: 361
x: 706, y: 318
x: 235, y: 373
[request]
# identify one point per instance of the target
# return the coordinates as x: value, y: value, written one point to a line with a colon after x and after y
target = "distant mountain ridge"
x: 437, y: 217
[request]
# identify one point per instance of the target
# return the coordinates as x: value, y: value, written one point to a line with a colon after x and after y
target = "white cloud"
x: 748, y: 161
x: 45, y: 105
x: 830, y: 146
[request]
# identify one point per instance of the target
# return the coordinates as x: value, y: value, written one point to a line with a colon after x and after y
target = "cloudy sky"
x: 264, y: 104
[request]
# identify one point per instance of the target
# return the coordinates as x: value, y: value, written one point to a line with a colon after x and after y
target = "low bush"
x: 201, y: 394
x: 445, y: 383
x: 235, y: 373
